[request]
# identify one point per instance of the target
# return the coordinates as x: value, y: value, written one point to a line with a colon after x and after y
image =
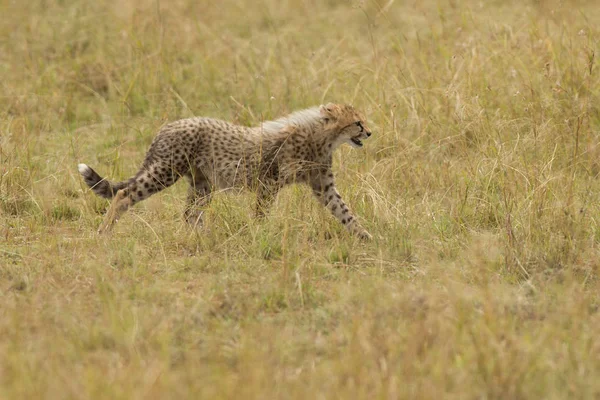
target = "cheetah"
x: 213, y: 154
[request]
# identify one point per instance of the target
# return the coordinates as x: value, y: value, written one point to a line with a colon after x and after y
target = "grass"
x: 480, y: 186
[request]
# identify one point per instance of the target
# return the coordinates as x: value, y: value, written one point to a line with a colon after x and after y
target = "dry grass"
x: 480, y: 185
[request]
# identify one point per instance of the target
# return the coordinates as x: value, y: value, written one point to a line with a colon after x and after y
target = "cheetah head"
x: 345, y: 124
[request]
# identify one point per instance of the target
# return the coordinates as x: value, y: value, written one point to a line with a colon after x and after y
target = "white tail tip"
x: 83, y: 169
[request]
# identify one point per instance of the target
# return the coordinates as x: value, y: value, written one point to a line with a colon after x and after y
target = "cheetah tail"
x: 99, y: 185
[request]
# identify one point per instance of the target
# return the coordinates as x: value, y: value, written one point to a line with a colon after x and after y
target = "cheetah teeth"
x: 356, y: 141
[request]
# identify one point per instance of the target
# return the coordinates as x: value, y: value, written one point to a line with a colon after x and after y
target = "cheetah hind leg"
x: 121, y: 202
x: 199, y: 196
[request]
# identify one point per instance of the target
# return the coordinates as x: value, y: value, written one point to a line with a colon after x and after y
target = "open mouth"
x: 356, y: 141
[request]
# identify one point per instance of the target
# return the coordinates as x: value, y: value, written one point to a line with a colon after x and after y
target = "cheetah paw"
x: 364, y: 235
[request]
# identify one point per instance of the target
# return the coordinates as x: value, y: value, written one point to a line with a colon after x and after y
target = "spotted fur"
x: 211, y: 153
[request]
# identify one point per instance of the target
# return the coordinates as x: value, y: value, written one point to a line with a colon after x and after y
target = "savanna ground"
x: 480, y: 186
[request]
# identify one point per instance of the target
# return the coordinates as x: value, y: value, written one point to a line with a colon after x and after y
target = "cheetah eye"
x: 359, y: 124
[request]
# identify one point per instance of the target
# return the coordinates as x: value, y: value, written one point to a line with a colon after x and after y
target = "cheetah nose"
x: 368, y: 133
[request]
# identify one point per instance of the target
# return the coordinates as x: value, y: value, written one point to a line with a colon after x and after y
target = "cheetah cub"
x: 213, y: 154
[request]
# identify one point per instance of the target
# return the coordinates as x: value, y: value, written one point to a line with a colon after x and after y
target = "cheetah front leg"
x: 265, y: 196
x: 324, y: 189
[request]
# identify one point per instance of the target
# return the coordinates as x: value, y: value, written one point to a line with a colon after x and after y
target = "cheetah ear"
x: 329, y: 111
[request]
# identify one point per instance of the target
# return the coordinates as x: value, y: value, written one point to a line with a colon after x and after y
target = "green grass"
x: 480, y: 185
